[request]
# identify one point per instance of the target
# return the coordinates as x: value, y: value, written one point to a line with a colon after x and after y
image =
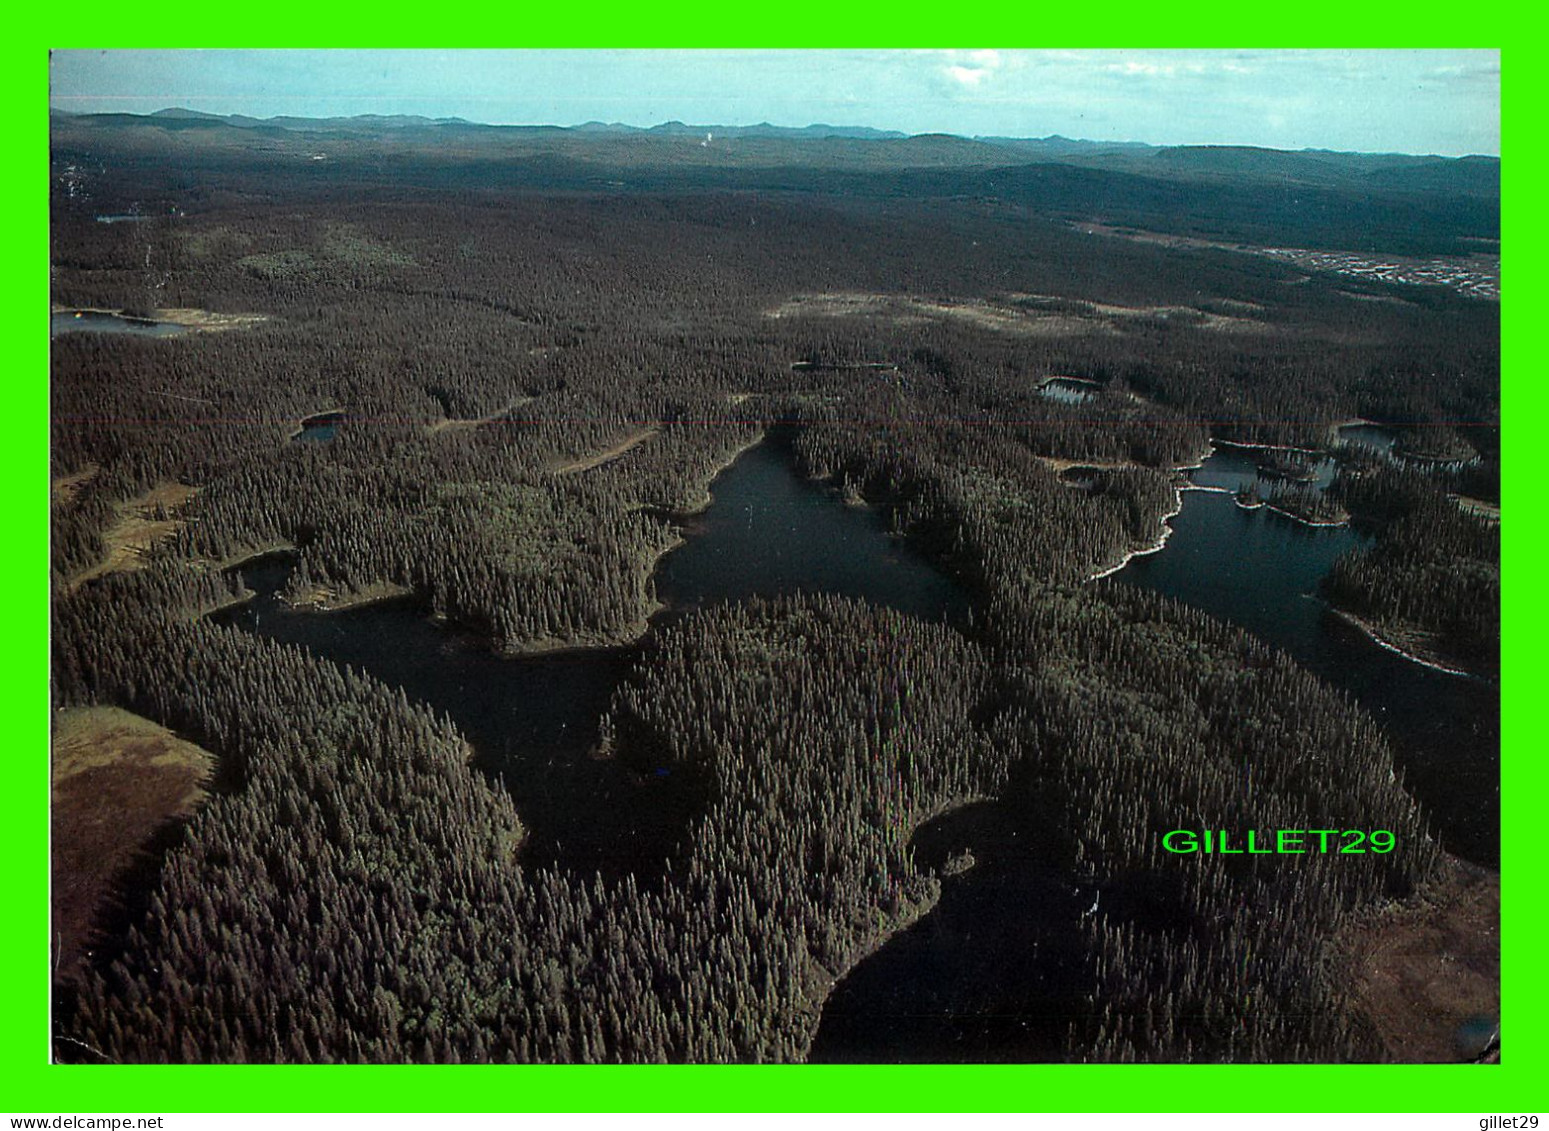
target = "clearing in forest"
x: 1024, y: 315
x: 633, y: 440
x: 141, y: 523
x: 460, y: 423
x: 1426, y: 972
x: 62, y: 491
x: 117, y: 780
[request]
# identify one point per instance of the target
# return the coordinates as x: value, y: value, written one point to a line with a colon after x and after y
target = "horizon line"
x: 892, y: 135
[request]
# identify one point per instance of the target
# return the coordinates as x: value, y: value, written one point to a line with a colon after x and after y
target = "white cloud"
x: 968, y: 76
x: 971, y: 69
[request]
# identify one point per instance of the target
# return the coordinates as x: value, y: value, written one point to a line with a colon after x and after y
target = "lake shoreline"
x: 1375, y: 634
x: 190, y: 319
x: 1154, y: 547
x: 1180, y: 486
x: 629, y: 637
x: 1266, y: 505
x: 333, y: 416
x: 323, y: 598
x: 815, y: 1004
x: 1314, y: 523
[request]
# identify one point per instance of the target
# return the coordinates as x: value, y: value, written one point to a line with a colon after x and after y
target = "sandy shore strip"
x: 1269, y: 447
x: 1298, y: 518
x: 1183, y: 484
x: 1161, y: 539
x: 1371, y: 632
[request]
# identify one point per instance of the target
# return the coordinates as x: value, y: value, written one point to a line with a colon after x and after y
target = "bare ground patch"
x: 1020, y: 314
x: 190, y: 318
x: 633, y: 440
x: 62, y: 491
x: 1011, y: 320
x: 140, y: 524
x: 118, y: 779
x: 1117, y: 314
x: 845, y: 305
x: 903, y: 311
x: 1490, y: 512
x: 464, y: 424
x: 1426, y: 972
x: 207, y: 321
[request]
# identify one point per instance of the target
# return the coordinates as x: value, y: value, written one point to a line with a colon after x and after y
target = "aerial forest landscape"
x: 652, y: 592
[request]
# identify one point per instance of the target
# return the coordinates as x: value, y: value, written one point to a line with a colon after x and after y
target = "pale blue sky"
x: 1445, y: 102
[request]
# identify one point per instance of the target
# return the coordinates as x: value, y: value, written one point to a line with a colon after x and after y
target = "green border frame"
x: 32, y: 1085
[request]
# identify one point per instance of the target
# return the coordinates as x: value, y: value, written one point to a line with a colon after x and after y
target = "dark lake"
x: 1233, y: 467
x: 771, y: 532
x: 1261, y: 570
x: 996, y: 971
x: 99, y: 322
x: 533, y: 721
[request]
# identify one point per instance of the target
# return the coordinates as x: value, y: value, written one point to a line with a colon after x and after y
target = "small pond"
x: 320, y: 428
x: 102, y: 322
x: 1068, y: 390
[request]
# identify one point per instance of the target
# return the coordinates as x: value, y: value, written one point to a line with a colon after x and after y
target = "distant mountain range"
x: 1403, y: 203
x: 367, y: 123
x: 762, y: 129
x: 1230, y: 160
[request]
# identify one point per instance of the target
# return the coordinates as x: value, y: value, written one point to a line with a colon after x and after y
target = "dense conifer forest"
x: 539, y: 374
x: 1435, y: 569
